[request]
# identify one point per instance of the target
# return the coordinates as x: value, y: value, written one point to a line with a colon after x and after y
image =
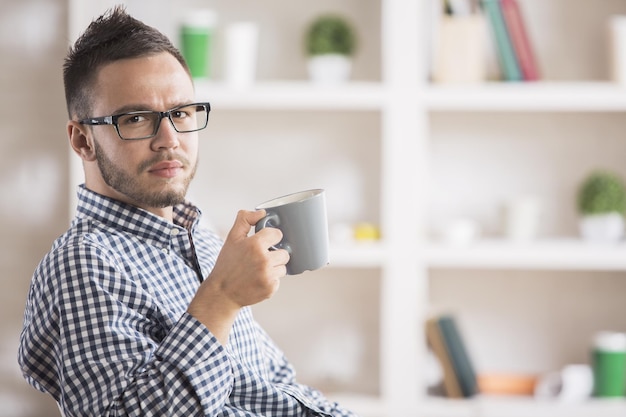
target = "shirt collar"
x: 126, y: 217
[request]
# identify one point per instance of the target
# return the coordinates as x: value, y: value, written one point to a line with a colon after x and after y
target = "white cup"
x: 241, y: 53
x: 574, y: 383
x: 522, y: 218
x: 617, y: 39
x: 459, y: 232
x: 577, y: 383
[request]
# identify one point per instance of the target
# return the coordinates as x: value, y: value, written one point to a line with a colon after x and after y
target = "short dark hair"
x: 111, y: 37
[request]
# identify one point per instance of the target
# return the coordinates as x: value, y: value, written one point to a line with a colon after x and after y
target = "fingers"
x: 279, y: 259
x: 244, y: 221
x: 268, y: 237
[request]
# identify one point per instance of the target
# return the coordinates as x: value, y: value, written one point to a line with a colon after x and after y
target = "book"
x: 461, y: 361
x: 435, y: 341
x: 519, y: 38
x: 506, y: 54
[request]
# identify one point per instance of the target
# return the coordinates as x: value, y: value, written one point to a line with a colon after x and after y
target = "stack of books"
x: 513, y: 46
x: 475, y: 40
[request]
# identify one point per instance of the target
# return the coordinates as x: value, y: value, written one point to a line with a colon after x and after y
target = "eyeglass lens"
x: 138, y: 125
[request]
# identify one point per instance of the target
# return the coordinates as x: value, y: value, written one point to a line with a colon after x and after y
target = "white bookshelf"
x: 568, y: 96
x: 412, y: 117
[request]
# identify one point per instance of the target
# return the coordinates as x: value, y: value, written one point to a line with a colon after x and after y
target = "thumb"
x: 244, y: 221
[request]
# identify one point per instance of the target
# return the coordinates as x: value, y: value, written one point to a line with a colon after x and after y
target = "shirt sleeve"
x: 94, y: 341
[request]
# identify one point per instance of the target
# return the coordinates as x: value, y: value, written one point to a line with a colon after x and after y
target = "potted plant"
x: 330, y: 44
x: 602, y: 204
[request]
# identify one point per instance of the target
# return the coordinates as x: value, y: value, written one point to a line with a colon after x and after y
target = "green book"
x: 438, y: 347
x: 506, y: 54
x: 461, y: 361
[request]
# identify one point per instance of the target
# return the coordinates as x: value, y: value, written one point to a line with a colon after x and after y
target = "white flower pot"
x: 605, y: 228
x: 330, y: 68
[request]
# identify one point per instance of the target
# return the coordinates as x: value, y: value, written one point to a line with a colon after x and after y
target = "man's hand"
x: 246, y: 272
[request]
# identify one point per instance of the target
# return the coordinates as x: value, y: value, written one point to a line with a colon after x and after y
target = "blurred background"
x: 34, y: 208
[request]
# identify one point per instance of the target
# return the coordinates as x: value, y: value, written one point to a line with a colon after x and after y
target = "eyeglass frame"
x: 113, y: 120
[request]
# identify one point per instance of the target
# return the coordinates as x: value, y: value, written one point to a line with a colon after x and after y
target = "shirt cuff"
x: 189, y: 344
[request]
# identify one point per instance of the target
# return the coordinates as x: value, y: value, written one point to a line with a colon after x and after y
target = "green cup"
x: 609, y: 364
x: 196, y: 34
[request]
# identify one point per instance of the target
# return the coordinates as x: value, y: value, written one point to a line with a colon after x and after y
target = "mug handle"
x: 271, y: 220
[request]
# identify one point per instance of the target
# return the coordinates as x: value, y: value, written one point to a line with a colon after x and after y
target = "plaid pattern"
x: 106, y: 330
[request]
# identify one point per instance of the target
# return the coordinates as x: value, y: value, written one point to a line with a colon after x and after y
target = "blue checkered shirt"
x: 106, y: 330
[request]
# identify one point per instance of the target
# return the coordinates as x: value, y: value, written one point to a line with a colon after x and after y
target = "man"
x: 137, y: 310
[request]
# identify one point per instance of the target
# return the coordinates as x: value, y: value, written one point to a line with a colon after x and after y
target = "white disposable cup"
x: 241, y: 53
x: 617, y: 39
x: 522, y: 218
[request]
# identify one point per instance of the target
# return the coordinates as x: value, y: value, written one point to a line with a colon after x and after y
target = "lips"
x: 166, y: 169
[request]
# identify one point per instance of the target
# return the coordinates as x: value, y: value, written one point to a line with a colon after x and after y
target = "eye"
x: 180, y: 114
x: 131, y: 119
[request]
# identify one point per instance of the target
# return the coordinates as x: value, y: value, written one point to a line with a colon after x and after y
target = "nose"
x: 166, y: 137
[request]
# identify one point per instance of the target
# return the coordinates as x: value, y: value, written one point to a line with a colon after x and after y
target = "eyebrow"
x: 142, y: 107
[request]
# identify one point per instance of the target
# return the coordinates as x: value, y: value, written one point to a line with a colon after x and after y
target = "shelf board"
x: 491, y: 96
x: 559, y: 254
x: 495, y: 406
x: 489, y: 406
x: 357, y: 255
x: 362, y: 405
x: 292, y: 95
x: 527, y: 96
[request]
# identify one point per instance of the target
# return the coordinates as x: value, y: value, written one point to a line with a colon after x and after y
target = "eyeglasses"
x: 145, y: 124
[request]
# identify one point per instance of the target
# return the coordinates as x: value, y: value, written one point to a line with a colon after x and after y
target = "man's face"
x: 149, y: 173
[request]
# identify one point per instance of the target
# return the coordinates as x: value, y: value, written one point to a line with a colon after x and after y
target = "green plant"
x: 330, y: 34
x: 602, y: 192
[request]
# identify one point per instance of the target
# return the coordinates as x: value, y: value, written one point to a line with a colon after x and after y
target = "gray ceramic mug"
x: 302, y: 219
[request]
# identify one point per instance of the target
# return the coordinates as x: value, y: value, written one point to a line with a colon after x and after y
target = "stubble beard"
x: 130, y: 185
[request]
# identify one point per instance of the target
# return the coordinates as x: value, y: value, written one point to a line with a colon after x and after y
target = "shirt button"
x: 174, y: 232
x: 165, y: 250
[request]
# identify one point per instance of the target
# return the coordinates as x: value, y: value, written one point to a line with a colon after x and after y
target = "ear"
x: 81, y: 140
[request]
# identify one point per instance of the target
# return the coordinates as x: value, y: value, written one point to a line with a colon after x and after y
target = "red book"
x: 519, y: 38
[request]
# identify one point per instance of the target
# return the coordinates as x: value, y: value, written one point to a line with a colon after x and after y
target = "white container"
x: 241, y: 54
x: 522, y: 218
x: 617, y: 40
x: 602, y: 228
x: 461, y: 50
x: 330, y: 68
